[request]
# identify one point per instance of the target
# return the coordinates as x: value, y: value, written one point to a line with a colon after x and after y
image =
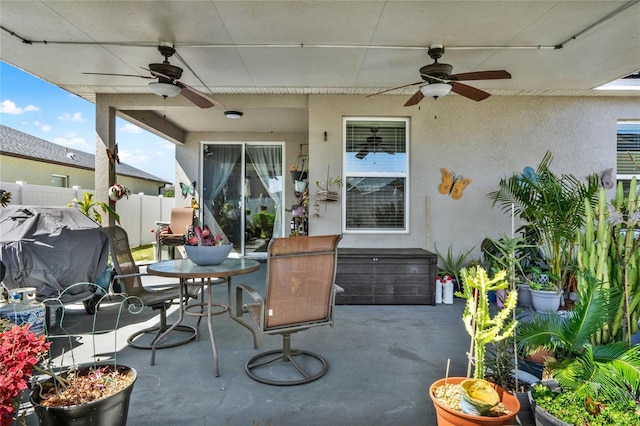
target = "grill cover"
x: 51, y: 248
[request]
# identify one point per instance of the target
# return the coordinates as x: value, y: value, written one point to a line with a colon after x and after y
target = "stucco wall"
x: 479, y: 140
x: 14, y: 169
x: 19, y: 169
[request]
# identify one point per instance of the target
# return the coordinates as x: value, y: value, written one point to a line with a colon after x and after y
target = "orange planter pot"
x: 448, y: 417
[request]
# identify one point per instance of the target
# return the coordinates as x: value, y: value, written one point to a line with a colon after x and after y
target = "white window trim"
x: 406, y: 175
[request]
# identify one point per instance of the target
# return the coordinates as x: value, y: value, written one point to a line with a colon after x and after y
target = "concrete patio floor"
x: 382, y: 360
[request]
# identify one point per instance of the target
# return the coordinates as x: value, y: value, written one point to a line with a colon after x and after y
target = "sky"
x: 41, y: 109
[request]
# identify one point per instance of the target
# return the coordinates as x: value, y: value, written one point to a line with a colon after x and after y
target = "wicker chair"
x: 173, y: 234
x: 128, y: 276
x: 300, y: 294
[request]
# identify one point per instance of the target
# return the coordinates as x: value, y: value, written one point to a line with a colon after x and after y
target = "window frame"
x: 405, y: 175
x: 625, y: 178
x: 60, y: 177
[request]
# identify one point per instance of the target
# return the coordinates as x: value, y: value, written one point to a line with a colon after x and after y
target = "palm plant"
x: 551, y: 206
x: 611, y: 370
x: 91, y: 208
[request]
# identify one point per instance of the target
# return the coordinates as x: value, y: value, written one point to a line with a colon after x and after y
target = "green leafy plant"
x: 553, y: 208
x: 91, y: 208
x: 451, y: 264
x: 326, y: 185
x: 5, y: 198
x: 263, y: 222
x: 573, y: 409
x: 611, y: 370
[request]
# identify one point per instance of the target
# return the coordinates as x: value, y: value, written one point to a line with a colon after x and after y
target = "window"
x: 376, y: 170
x: 628, y: 150
x: 59, y: 181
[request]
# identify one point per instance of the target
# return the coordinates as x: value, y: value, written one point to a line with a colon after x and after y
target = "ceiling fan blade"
x: 415, y: 99
x: 481, y: 75
x: 119, y: 75
x: 394, y: 88
x: 468, y: 91
x: 362, y: 153
x: 388, y: 150
x: 195, y: 96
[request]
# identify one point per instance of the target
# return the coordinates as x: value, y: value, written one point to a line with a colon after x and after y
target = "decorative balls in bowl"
x: 208, y: 255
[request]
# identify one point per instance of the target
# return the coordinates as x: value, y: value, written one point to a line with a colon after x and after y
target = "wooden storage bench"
x: 386, y: 276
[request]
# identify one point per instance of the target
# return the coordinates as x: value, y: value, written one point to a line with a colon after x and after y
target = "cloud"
x: 76, y: 116
x: 131, y: 128
x: 42, y: 126
x: 133, y: 158
x: 72, y: 140
x: 10, y: 107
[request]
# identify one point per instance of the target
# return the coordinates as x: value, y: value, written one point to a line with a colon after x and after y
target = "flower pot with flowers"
x: 204, y: 248
x: 20, y: 351
x: 475, y: 401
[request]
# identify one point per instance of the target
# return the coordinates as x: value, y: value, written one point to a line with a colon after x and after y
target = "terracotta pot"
x: 447, y: 416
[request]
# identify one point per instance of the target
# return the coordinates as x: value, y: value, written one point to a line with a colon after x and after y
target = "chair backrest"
x: 181, y: 219
x: 300, y: 280
x: 123, y: 261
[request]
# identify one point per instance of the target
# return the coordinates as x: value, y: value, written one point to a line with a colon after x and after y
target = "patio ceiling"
x: 551, y: 48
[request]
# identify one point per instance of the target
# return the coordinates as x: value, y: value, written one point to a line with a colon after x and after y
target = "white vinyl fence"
x: 138, y: 213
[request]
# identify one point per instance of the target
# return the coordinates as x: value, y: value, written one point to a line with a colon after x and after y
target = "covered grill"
x: 51, y: 248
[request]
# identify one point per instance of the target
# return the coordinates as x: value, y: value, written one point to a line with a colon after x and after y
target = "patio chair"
x: 128, y: 276
x: 173, y: 234
x: 300, y: 294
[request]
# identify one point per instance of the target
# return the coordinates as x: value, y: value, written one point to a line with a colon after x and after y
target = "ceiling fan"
x: 437, y: 80
x: 168, y: 75
x: 373, y: 144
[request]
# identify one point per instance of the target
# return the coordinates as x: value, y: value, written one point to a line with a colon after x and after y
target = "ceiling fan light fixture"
x: 166, y: 90
x: 233, y: 115
x: 435, y: 90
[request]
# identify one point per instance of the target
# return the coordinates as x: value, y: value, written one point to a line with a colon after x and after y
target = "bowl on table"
x: 208, y: 255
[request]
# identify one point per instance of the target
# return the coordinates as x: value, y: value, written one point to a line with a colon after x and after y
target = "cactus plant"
x: 608, y: 250
x: 477, y: 318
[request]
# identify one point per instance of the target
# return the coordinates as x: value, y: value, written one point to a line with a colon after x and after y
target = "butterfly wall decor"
x: 606, y: 178
x: 452, y: 185
x: 188, y: 189
x: 194, y: 203
x: 113, y: 155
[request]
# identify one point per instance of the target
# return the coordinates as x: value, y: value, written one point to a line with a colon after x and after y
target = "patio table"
x: 185, y: 269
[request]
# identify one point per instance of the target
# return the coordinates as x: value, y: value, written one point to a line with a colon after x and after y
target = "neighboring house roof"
x: 19, y: 144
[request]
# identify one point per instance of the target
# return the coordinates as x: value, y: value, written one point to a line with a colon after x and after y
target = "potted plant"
x: 205, y: 248
x: 546, y: 296
x: 20, y: 351
x: 93, y: 394
x: 482, y: 403
x: 324, y: 192
x: 607, y: 374
x: 451, y: 264
x: 552, y: 207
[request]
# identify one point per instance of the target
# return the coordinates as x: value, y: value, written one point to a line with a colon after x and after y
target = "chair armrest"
x: 251, y: 292
x: 138, y: 274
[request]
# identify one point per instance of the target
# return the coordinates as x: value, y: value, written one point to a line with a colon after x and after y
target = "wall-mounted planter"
x: 298, y: 175
x: 323, y: 195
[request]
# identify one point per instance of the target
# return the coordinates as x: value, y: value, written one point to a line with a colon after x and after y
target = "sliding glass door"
x: 242, y: 189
